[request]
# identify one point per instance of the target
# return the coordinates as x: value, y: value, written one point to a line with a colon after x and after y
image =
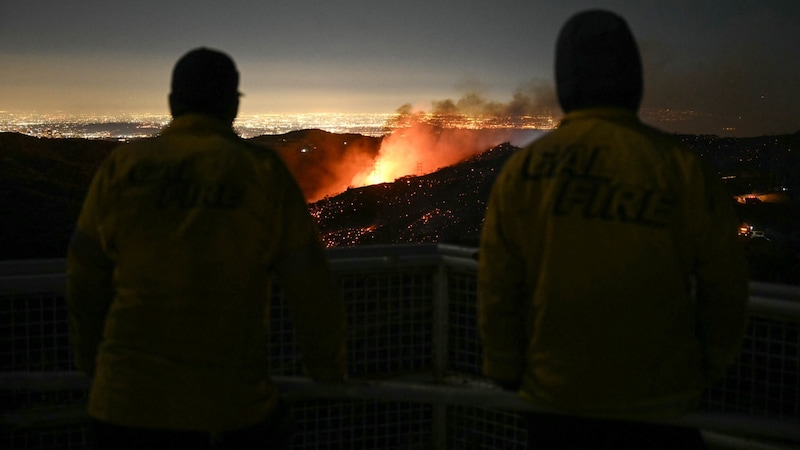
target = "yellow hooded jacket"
x: 610, y: 282
x: 169, y: 277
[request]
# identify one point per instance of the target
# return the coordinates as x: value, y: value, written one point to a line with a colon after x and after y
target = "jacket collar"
x: 197, y: 123
x: 608, y: 113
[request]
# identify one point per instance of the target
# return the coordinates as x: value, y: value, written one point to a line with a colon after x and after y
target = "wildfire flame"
x: 467, y: 126
x: 422, y: 148
x: 414, y: 147
x: 400, y: 155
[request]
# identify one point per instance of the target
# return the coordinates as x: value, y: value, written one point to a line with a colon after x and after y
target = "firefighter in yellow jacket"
x: 611, y: 284
x: 169, y: 275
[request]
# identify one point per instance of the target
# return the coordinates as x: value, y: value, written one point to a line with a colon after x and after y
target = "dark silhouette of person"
x: 169, y: 279
x: 612, y: 289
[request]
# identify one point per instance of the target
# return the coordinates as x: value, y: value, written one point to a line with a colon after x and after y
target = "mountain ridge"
x: 43, y: 190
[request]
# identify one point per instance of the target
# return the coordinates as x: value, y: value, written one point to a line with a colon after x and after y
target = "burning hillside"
x: 327, y: 164
x: 444, y: 206
x: 423, y: 148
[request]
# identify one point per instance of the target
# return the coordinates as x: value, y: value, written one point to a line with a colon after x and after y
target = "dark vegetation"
x: 42, y: 185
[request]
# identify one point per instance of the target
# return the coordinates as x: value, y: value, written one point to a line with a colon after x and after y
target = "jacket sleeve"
x: 722, y: 282
x: 314, y: 300
x: 89, y: 281
x: 501, y: 297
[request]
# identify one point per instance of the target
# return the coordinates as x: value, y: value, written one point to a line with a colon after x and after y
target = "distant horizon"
x: 670, y: 121
x: 723, y: 68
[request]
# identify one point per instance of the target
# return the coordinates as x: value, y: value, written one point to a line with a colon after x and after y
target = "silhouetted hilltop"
x: 319, y: 159
x: 43, y: 184
x: 758, y: 163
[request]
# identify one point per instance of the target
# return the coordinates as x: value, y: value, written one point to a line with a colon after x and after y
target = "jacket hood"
x: 598, y: 63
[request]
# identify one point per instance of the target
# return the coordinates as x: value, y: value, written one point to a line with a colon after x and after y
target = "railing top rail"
x: 774, y: 290
x: 18, y: 267
x: 43, y: 275
x: 426, y: 391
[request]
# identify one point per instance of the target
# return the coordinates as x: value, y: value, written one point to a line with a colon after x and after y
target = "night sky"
x: 735, y: 65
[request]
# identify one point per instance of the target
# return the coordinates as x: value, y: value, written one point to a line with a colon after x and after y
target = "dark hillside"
x: 43, y: 182
x: 758, y: 163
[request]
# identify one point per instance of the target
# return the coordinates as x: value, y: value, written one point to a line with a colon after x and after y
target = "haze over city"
x: 715, y: 67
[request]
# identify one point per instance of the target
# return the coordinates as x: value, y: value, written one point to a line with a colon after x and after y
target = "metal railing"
x: 414, y: 361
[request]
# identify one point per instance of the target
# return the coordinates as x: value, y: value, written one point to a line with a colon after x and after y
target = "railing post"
x: 440, y: 321
x: 440, y: 324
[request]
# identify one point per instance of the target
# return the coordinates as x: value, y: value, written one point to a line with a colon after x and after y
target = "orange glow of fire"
x: 419, y: 150
x: 399, y: 156
x: 415, y: 149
